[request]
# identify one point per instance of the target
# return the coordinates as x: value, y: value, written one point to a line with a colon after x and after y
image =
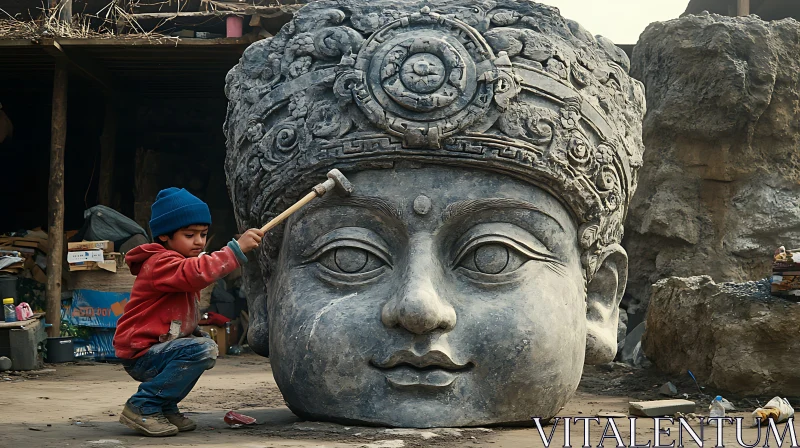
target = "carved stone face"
x: 435, y: 296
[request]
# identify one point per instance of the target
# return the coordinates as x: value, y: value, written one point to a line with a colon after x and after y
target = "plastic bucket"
x: 60, y: 350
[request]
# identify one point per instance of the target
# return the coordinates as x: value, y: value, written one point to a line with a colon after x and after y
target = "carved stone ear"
x: 604, y: 293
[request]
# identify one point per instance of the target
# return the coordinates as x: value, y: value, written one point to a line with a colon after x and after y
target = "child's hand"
x: 250, y: 240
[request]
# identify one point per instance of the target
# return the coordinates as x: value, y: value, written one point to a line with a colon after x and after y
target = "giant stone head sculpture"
x: 494, y: 148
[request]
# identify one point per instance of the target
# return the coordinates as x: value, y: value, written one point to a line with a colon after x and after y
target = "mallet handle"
x: 279, y: 219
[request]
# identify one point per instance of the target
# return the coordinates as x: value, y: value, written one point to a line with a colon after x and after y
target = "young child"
x: 157, y: 335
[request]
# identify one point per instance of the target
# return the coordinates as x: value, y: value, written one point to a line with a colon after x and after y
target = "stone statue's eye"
x: 493, y: 259
x: 349, y: 256
x: 498, y: 254
x: 347, y: 259
x: 350, y: 259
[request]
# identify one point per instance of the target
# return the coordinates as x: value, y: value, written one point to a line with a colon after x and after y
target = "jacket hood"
x: 137, y: 256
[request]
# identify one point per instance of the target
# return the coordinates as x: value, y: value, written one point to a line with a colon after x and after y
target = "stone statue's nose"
x: 417, y: 306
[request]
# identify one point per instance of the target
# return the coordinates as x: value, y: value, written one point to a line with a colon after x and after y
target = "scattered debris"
x: 385, y: 444
x: 632, y: 341
x: 668, y: 390
x: 235, y: 420
x: 609, y: 414
x: 716, y: 410
x: 234, y: 350
x: 729, y: 407
x: 689, y: 416
x: 27, y: 374
x: 753, y: 290
x: 412, y: 432
x: 660, y: 408
x: 81, y: 423
x: 699, y: 389
x: 777, y: 409
x: 785, y: 280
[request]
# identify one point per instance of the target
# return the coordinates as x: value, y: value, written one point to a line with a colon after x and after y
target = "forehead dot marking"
x: 422, y: 205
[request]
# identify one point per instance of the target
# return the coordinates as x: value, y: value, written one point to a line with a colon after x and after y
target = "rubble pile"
x: 754, y: 290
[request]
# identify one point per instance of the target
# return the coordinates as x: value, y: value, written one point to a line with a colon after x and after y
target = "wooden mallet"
x: 336, y: 180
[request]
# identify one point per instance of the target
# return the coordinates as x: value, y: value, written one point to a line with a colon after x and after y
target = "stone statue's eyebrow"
x: 460, y: 208
x: 368, y: 202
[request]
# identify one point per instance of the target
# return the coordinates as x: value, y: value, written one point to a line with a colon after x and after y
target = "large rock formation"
x: 766, y: 9
x: 721, y: 174
x: 735, y: 337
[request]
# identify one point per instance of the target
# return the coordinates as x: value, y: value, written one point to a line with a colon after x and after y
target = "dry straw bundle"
x: 111, y: 19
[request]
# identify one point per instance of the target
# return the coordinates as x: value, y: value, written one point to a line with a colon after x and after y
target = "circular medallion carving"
x: 423, y: 73
x: 425, y: 77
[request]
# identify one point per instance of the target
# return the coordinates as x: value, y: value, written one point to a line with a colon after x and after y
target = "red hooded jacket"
x: 164, y: 299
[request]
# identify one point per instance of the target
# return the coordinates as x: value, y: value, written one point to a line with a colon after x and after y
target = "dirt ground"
x: 78, y: 404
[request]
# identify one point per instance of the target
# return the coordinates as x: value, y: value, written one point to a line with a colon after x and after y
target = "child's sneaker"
x: 181, y: 421
x: 152, y: 425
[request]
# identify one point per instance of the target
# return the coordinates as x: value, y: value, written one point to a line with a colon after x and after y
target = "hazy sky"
x: 619, y: 20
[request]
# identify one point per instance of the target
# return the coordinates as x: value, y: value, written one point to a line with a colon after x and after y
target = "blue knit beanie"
x: 176, y: 208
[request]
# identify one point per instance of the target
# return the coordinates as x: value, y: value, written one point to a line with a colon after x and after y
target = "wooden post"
x: 107, y: 153
x: 55, y: 204
x: 743, y: 8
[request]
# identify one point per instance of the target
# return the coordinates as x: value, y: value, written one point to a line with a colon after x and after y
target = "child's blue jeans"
x: 168, y: 372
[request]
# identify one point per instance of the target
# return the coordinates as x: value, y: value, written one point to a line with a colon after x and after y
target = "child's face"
x: 188, y: 241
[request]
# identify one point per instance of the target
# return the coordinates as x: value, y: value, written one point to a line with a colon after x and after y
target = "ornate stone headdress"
x: 504, y: 85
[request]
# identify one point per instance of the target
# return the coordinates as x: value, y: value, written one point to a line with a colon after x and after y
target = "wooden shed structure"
x: 111, y: 102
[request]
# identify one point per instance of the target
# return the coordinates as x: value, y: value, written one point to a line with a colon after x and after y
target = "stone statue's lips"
x: 432, y: 369
x: 431, y: 359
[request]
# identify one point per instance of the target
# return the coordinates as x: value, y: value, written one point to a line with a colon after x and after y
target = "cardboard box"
x: 219, y: 336
x: 101, y: 280
x: 110, y: 266
x: 27, y: 242
x: 116, y: 257
x: 85, y: 255
x: 105, y: 246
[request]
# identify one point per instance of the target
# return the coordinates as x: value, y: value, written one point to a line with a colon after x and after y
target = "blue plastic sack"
x: 99, y: 346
